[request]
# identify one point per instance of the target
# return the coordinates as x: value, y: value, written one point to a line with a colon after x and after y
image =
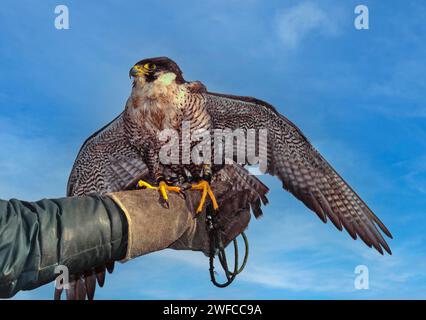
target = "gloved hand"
x: 153, y: 227
x: 82, y: 233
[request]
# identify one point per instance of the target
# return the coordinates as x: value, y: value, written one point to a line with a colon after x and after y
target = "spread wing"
x: 106, y: 163
x: 301, y: 168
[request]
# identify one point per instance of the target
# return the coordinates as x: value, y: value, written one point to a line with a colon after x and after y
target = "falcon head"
x: 153, y: 68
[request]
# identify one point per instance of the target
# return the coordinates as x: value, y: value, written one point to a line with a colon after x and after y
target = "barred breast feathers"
x: 156, y: 105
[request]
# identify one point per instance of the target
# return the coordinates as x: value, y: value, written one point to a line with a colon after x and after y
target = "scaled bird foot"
x: 204, y: 186
x: 163, y: 187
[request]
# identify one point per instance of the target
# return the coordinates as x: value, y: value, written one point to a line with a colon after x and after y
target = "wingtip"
x: 100, y: 276
x: 384, y: 246
x: 378, y: 248
x: 388, y: 250
x: 386, y: 231
x: 110, y: 266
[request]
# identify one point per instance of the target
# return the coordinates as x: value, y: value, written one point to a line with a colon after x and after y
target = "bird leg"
x: 162, y: 188
x: 204, y: 186
x: 206, y: 190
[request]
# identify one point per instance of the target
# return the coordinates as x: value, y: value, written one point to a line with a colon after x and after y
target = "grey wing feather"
x: 86, y: 152
x: 301, y: 168
x: 125, y: 172
x: 107, y: 162
x: 242, y: 182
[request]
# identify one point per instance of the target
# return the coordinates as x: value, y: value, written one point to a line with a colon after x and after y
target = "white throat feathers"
x: 156, y: 105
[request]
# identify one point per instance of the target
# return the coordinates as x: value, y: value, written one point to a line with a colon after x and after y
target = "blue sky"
x: 359, y: 95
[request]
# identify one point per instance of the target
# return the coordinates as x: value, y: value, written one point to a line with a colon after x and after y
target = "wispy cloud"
x: 404, y: 80
x: 415, y: 173
x: 297, y: 22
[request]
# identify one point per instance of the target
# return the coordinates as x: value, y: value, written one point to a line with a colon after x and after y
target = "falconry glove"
x: 37, y: 237
x: 153, y: 227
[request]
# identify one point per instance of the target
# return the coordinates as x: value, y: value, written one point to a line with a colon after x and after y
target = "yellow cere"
x: 139, y: 69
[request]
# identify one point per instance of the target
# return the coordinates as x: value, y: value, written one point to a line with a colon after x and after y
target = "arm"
x: 35, y: 237
x: 84, y: 232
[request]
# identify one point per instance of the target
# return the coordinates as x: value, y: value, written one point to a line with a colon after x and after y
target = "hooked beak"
x: 137, y: 71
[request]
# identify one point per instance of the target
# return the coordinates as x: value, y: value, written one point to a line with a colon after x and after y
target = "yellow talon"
x: 143, y: 184
x: 206, y: 190
x: 162, y: 188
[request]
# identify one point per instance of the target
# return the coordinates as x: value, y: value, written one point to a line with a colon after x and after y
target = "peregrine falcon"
x: 125, y: 153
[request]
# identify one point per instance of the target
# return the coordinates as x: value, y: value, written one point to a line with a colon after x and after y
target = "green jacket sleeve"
x: 35, y: 237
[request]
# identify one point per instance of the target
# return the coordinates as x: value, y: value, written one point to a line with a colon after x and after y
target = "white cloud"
x: 298, y: 277
x: 297, y: 22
